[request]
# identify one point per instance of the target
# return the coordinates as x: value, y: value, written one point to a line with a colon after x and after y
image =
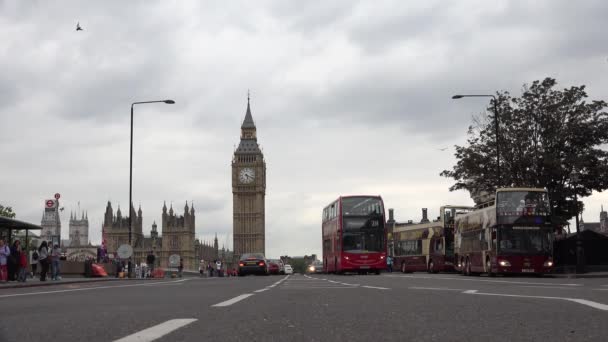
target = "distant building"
x: 598, y: 227
x: 79, y: 230
x: 51, y: 223
x: 177, y: 237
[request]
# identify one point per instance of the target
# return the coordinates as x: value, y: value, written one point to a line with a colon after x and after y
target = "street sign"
x: 174, y: 260
x: 124, y: 251
x: 50, y: 203
x: 57, y: 196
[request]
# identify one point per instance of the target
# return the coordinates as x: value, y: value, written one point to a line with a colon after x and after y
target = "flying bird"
x: 442, y: 149
x: 78, y: 28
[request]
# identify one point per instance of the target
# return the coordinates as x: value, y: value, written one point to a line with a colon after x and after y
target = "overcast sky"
x: 348, y: 98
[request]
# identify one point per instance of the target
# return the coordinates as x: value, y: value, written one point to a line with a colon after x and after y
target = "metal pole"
x: 498, y: 183
x: 580, y: 265
x: 131, y: 191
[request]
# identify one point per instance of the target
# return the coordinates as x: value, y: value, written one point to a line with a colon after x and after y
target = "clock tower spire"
x: 248, y: 191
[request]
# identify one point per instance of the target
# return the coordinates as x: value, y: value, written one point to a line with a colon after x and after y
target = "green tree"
x: 6, y: 211
x: 545, y: 136
x: 298, y: 265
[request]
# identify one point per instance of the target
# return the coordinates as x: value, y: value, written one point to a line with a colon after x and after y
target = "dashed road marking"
x: 233, y: 300
x: 433, y: 288
x: 590, y: 303
x: 157, y: 331
x: 260, y: 290
x: 375, y: 287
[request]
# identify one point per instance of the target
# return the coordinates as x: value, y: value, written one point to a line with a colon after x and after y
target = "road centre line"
x: 317, y: 287
x: 86, y: 289
x: 157, y: 331
x: 483, y: 280
x: 261, y: 290
x: 233, y: 300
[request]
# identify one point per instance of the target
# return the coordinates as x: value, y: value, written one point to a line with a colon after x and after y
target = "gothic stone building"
x: 79, y: 229
x: 248, y: 192
x: 177, y: 237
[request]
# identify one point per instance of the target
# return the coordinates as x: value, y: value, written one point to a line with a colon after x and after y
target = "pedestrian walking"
x: 22, y: 266
x: 5, y: 252
x: 218, y: 266
x: 55, y: 256
x: 150, y: 259
x: 389, y: 264
x: 13, y: 260
x: 180, y: 268
x: 201, y: 267
x: 34, y: 263
x: 43, y: 260
x: 210, y: 269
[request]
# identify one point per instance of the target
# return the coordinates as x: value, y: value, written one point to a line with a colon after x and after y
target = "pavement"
x: 388, y: 307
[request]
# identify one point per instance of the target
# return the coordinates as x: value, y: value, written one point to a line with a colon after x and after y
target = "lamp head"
x: 455, y: 97
x: 169, y: 101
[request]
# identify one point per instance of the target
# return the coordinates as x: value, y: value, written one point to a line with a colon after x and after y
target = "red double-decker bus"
x: 354, y: 235
x: 512, y: 234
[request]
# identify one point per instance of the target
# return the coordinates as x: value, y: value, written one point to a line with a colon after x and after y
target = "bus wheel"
x: 377, y: 272
x: 489, y: 268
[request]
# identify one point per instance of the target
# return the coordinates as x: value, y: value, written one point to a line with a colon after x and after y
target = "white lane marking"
x: 484, y: 280
x: 347, y: 284
x: 592, y: 304
x: 332, y: 281
x: 260, y: 290
x: 549, y: 287
x: 84, y: 289
x: 177, y: 282
x: 157, y: 331
x: 316, y: 287
x: 233, y: 300
x: 600, y: 289
x: 376, y: 287
x: 433, y: 288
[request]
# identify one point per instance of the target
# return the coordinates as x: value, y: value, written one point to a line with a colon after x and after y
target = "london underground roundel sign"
x: 50, y: 203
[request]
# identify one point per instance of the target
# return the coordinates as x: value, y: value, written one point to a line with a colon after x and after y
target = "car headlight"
x: 311, y: 268
x: 548, y: 263
x: 504, y: 263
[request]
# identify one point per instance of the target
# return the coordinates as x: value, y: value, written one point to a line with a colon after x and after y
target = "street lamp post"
x: 131, y: 177
x: 455, y: 97
x: 580, y: 253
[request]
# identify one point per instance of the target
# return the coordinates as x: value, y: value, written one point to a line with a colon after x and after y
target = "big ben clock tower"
x: 248, y: 192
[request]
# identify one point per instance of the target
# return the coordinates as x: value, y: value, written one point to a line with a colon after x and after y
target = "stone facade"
x: 177, y: 237
x: 51, y: 223
x: 249, y: 191
x: 79, y: 229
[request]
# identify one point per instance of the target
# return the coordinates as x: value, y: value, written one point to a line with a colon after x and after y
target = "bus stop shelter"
x: 8, y: 225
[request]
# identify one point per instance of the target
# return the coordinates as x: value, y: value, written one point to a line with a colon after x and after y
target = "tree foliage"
x: 6, y: 211
x: 545, y: 137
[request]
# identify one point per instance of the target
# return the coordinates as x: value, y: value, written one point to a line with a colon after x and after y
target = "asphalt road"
x: 389, y: 307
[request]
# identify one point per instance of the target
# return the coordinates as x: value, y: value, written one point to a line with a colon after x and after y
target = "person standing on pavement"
x: 389, y: 264
x: 150, y: 259
x: 13, y: 260
x: 218, y: 266
x: 5, y: 252
x: 43, y: 259
x: 55, y: 256
x: 34, y: 263
x: 22, y: 266
x: 180, y: 268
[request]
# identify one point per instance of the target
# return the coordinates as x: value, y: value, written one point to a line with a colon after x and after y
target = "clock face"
x: 247, y: 175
